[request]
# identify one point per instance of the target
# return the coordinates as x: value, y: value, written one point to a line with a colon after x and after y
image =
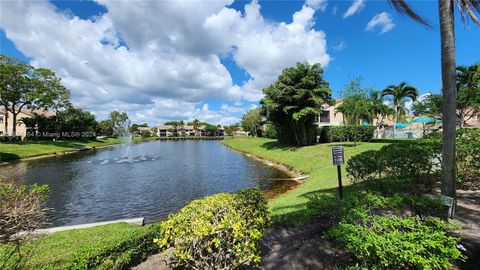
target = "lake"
x: 150, y: 180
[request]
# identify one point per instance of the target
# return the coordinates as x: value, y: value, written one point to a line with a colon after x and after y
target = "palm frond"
x: 404, y: 9
x: 468, y: 8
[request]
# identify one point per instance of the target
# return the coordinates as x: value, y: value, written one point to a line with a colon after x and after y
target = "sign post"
x: 338, y: 158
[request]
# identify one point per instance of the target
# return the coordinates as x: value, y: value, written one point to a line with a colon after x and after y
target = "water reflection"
x: 147, y: 180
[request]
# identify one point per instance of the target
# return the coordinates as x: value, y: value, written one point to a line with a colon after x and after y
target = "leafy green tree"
x: 120, y: 122
x: 252, y: 122
x: 468, y: 97
x: 210, y: 129
x: 23, y: 86
x: 431, y: 106
x: 468, y: 92
x: 105, y: 128
x: 377, y: 108
x: 76, y: 120
x: 355, y: 105
x: 467, y: 9
x: 400, y: 93
x: 292, y: 102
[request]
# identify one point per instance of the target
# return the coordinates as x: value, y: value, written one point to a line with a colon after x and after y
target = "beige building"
x: 21, y: 129
x: 329, y: 116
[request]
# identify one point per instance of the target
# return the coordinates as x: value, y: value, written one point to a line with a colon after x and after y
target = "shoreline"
x: 290, y: 172
x: 282, y: 167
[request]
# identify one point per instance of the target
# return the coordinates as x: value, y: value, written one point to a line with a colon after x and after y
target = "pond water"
x: 149, y: 180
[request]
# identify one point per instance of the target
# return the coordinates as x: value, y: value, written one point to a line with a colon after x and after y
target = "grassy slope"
x: 56, y: 249
x: 23, y: 149
x: 312, y: 160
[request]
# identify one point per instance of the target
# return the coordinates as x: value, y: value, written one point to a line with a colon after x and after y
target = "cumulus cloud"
x: 159, y: 60
x: 383, y: 21
x: 317, y: 4
x: 356, y: 6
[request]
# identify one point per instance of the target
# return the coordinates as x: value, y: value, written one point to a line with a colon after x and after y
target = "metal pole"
x: 340, y: 191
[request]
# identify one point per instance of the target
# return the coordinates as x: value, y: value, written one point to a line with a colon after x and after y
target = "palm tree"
x: 400, y: 93
x: 467, y: 9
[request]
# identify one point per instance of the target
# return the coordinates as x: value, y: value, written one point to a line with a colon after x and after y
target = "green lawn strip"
x: 23, y: 149
x: 293, y: 206
x: 87, y: 247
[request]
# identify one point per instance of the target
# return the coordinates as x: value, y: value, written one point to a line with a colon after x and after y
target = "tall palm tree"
x: 467, y: 9
x: 400, y: 93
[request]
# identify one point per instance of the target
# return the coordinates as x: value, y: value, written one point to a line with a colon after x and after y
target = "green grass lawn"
x: 23, y: 149
x: 55, y: 250
x: 316, y: 161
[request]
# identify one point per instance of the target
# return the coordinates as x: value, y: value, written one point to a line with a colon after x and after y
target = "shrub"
x: 346, y: 133
x: 382, y: 242
x: 22, y: 210
x: 217, y: 232
x: 372, y: 230
x: 417, y: 161
x: 468, y: 155
x: 365, y: 166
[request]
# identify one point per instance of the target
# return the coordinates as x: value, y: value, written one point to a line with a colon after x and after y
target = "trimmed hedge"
x: 346, y: 133
x: 222, y: 231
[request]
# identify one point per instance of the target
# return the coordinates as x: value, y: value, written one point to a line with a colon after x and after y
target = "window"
x: 325, y: 117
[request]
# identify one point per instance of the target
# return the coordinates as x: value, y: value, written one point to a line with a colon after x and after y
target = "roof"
x: 31, y: 112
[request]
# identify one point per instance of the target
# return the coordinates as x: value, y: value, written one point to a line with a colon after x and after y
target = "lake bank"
x: 27, y: 150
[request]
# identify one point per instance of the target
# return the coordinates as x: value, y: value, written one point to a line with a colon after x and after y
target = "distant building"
x: 21, y: 128
x: 239, y: 132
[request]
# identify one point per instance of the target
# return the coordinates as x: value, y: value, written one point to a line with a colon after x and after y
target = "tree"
x: 74, y: 122
x: 431, y: 106
x: 134, y: 127
x: 23, y: 86
x: 468, y: 92
x: 252, y: 122
x: 355, y: 105
x: 120, y: 122
x: 105, y: 128
x: 400, y: 93
x: 467, y: 9
x: 210, y: 129
x: 292, y: 102
x: 377, y: 107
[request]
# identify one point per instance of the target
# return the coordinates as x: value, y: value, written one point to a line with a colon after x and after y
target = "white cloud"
x: 383, y: 21
x: 340, y: 46
x: 334, y: 10
x: 317, y: 4
x: 356, y: 6
x: 159, y: 60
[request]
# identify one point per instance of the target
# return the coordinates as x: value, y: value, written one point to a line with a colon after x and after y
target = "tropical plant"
x: 378, y: 109
x: 400, y: 93
x: 292, y: 102
x: 467, y: 9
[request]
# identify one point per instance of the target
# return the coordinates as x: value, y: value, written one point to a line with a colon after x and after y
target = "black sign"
x: 338, y: 155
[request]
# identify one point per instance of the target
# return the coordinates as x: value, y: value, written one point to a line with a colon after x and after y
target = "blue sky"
x: 220, y: 56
